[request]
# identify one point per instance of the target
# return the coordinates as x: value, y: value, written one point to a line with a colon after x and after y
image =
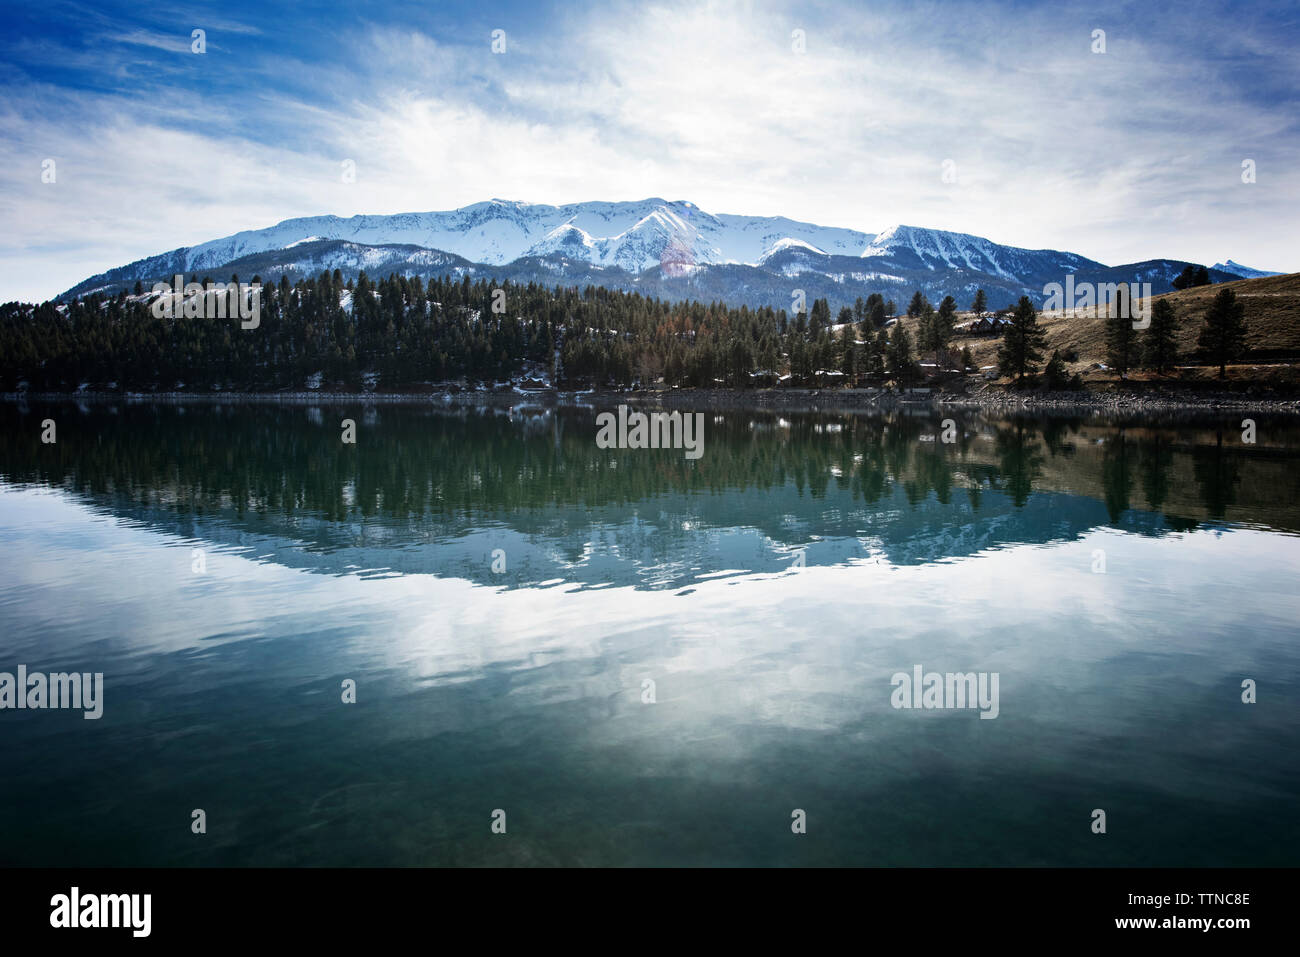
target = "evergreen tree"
x: 820, y: 318
x: 826, y: 351
x: 1192, y: 276
x: 798, y: 361
x: 917, y: 305
x: 876, y: 310
x: 740, y: 362
x: 879, y: 354
x: 928, y: 333
x: 945, y: 323
x: 849, y: 361
x: 1223, y: 337
x: 1019, y: 353
x: 1160, y: 344
x: 980, y: 304
x: 1121, y: 337
x: 1056, y: 374
x: 866, y: 355
x: 899, y: 362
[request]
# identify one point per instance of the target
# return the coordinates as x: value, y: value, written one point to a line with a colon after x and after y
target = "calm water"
x: 769, y: 590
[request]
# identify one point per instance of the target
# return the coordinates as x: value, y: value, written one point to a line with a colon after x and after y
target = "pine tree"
x: 899, y: 362
x: 1223, y: 338
x: 1056, y: 374
x: 880, y: 353
x: 926, y: 331
x: 798, y: 360
x: 1160, y: 344
x: 1018, y: 355
x: 848, y: 337
x: 945, y: 323
x: 876, y: 310
x: 866, y: 357
x: 1121, y: 337
x: 980, y: 304
x: 917, y: 305
x: 1192, y: 276
x: 820, y: 318
x: 826, y: 351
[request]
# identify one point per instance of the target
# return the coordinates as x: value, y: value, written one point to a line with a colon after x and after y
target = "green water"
x: 502, y: 592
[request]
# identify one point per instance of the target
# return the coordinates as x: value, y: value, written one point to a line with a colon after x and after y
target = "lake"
x: 630, y: 657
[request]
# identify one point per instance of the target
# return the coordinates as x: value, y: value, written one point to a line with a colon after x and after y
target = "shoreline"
x: 826, y: 400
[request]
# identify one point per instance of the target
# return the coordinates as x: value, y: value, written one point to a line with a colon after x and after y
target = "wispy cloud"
x: 147, y: 38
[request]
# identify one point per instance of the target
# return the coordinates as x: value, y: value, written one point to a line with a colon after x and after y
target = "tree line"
x: 402, y: 332
x: 406, y: 331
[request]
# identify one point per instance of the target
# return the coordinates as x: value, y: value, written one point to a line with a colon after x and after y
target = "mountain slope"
x: 632, y: 235
x: 671, y: 250
x: 1271, y: 305
x: 1245, y: 272
x: 934, y: 249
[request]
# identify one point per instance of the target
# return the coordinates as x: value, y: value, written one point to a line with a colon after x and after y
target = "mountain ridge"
x: 672, y: 250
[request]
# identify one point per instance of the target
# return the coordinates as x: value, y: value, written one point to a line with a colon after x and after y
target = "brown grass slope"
x: 1272, y: 305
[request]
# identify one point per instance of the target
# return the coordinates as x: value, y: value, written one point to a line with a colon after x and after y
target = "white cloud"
x: 1129, y: 155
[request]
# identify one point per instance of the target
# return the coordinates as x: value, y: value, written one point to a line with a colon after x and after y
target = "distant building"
x: 825, y: 377
x: 992, y: 326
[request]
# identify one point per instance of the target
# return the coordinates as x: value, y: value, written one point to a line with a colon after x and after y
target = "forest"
x: 401, y: 332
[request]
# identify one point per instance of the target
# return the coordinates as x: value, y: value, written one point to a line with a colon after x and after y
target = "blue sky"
x: 1124, y: 155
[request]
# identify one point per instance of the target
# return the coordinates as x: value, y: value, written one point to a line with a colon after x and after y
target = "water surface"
x: 769, y: 590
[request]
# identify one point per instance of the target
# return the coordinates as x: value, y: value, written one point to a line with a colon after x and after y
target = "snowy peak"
x: 1245, y: 272
x: 937, y: 249
x: 751, y: 239
x: 566, y: 240
x: 789, y: 243
x: 631, y: 235
x: 933, y: 247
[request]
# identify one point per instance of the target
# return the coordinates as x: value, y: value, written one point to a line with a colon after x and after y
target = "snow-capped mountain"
x: 1245, y: 272
x: 934, y: 249
x: 630, y: 235
x: 672, y: 250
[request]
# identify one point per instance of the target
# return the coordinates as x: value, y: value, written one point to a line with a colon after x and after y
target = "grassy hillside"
x: 1272, y: 317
